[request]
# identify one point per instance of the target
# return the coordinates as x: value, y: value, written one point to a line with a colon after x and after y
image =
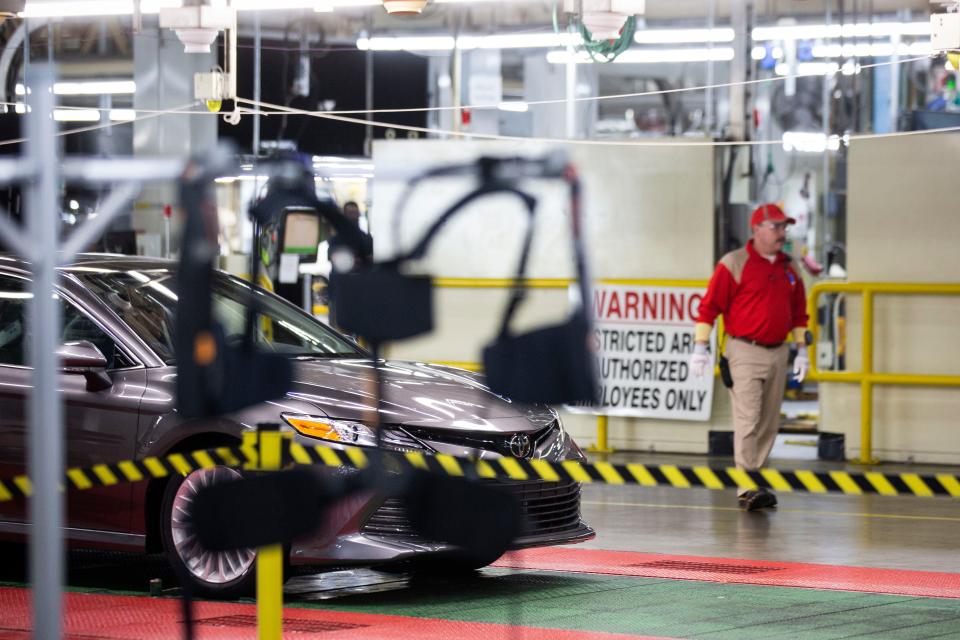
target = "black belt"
x: 758, y: 344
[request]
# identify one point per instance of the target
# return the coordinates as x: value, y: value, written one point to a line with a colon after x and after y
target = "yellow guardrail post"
x: 866, y: 384
x: 603, y: 440
x: 867, y: 377
x: 270, y: 443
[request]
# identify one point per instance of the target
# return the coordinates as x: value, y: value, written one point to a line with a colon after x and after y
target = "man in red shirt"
x: 764, y: 304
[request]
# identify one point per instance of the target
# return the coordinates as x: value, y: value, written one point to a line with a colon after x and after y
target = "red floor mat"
x: 105, y: 617
x: 775, y: 574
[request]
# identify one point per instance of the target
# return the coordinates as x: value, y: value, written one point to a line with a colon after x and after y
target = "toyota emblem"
x: 521, y: 446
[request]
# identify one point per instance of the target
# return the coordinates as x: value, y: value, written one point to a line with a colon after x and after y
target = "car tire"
x: 218, y: 574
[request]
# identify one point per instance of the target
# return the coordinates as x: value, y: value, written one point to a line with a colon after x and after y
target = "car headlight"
x: 352, y: 433
x: 343, y: 431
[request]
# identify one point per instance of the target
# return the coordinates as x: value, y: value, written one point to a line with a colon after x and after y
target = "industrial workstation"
x: 440, y: 319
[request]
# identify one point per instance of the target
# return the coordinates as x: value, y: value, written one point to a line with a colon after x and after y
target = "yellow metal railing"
x: 867, y: 378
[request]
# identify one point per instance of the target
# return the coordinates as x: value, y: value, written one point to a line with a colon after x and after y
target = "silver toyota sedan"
x: 118, y: 318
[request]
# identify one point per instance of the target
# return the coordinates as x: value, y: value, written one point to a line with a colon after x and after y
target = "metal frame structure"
x: 41, y: 172
x: 867, y: 377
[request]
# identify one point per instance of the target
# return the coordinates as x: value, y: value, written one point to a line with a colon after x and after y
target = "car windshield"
x: 146, y: 300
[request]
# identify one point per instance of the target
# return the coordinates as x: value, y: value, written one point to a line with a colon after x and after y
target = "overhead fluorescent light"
x: 447, y: 43
x: 88, y: 88
x: 812, y: 142
x: 123, y: 115
x: 411, y: 43
x: 823, y: 31
x: 876, y: 49
x: 76, y: 115
x: 808, y: 69
x: 854, y: 50
x: 520, y: 41
x: 759, y: 53
x: 80, y: 8
x: 683, y: 36
x: 650, y: 56
x: 515, y: 106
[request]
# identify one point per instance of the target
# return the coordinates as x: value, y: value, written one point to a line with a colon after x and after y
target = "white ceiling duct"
x: 404, y: 7
x: 604, y: 18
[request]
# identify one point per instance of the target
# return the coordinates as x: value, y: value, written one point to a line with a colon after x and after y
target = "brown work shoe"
x: 755, y: 500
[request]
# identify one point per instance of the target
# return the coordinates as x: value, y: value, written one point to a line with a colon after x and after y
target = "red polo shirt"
x: 760, y: 300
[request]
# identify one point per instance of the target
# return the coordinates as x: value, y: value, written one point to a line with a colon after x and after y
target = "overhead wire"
x: 617, y: 96
x: 279, y: 109
x: 343, y: 115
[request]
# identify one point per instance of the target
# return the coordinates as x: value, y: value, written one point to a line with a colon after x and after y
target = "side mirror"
x: 85, y: 358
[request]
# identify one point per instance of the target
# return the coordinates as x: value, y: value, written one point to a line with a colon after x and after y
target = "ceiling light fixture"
x: 89, y: 88
x: 82, y: 8
x: 604, y: 19
x: 683, y: 36
x: 823, y: 31
x: 76, y: 115
x: 514, y: 106
x: 651, y: 56
x: 447, y: 43
x: 404, y: 7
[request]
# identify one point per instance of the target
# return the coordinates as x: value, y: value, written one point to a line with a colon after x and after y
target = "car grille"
x: 495, y: 442
x: 548, y: 507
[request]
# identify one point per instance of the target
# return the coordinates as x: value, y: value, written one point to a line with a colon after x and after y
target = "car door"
x: 100, y: 426
x: 14, y: 382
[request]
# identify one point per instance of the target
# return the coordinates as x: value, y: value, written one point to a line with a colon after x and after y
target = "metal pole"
x: 708, y: 109
x: 368, y: 102
x: 738, y: 70
x: 46, y: 460
x: 256, y: 86
x: 570, y: 92
x: 820, y: 249
x: 308, y: 293
x: 457, y: 85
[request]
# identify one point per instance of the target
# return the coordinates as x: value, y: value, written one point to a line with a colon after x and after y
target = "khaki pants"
x: 759, y: 376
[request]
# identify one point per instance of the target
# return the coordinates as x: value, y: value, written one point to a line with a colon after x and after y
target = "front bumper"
x: 380, y: 533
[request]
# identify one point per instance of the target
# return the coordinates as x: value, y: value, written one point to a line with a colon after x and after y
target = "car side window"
x: 14, y: 328
x: 14, y: 296
x: 78, y: 326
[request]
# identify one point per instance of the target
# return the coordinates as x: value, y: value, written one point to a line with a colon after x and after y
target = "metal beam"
x: 46, y: 448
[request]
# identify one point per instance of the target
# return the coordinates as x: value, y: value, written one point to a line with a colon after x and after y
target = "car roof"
x: 116, y: 261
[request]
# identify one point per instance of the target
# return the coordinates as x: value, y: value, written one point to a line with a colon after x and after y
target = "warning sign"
x: 643, y: 339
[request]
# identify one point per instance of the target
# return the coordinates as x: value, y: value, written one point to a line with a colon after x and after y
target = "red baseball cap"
x: 769, y: 212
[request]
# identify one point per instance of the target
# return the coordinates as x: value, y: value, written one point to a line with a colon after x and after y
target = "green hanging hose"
x: 608, y: 50
x: 601, y: 50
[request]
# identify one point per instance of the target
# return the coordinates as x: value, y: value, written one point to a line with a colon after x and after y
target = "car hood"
x: 414, y: 394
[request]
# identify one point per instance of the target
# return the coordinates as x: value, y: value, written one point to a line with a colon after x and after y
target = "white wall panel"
x: 648, y: 214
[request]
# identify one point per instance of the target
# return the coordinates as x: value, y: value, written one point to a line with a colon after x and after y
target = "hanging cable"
x: 278, y: 109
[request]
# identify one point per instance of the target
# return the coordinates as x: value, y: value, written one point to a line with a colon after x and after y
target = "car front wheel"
x: 212, y: 573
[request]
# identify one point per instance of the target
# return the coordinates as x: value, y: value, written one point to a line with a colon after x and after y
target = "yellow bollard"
x: 269, y: 442
x: 866, y: 385
x: 603, y: 441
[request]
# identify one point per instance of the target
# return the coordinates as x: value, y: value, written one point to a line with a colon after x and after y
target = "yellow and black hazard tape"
x: 870, y: 482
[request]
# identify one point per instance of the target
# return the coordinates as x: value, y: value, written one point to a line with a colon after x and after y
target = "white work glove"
x: 801, y: 364
x: 700, y: 359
